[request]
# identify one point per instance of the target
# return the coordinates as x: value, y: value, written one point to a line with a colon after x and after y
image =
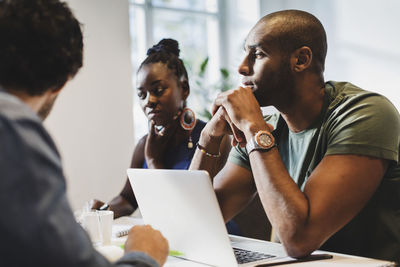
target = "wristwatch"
x: 263, y: 140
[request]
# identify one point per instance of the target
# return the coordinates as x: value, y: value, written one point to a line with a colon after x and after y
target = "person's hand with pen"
x: 119, y: 205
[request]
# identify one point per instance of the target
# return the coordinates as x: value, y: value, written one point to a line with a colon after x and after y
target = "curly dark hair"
x: 167, y: 52
x: 41, y: 45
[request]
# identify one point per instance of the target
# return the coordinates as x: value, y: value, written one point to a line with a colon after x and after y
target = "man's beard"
x: 47, y: 107
x: 279, y: 88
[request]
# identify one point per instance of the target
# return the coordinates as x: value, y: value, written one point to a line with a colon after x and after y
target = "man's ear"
x: 185, y: 88
x: 301, y: 59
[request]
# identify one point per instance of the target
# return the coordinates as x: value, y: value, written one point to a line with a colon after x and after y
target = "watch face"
x: 265, y: 140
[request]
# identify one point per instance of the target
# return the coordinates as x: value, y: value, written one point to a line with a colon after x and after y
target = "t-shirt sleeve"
x: 368, y: 125
x: 239, y: 157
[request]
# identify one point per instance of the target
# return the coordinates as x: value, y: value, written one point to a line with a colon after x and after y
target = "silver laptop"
x: 183, y: 206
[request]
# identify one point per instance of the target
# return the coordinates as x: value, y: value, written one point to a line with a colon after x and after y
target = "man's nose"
x: 244, y: 67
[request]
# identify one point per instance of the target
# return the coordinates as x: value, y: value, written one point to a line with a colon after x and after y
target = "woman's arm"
x: 217, y: 163
x: 125, y: 203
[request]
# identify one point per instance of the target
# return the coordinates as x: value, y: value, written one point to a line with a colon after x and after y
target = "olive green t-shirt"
x: 352, y: 121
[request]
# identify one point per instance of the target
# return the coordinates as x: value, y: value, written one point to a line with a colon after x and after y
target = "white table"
x: 114, y: 252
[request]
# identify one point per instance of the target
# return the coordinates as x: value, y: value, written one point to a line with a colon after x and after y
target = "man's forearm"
x: 286, y: 206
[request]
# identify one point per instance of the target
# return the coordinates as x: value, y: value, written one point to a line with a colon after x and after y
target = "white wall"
x: 92, y: 119
x: 363, y: 40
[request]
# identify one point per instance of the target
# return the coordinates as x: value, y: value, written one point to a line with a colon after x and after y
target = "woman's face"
x: 160, y: 93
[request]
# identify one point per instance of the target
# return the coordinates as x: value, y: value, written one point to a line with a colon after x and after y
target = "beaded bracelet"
x: 206, y: 153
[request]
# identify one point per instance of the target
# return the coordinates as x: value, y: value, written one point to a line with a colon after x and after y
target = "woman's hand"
x: 96, y: 204
x: 119, y: 205
x: 157, y: 143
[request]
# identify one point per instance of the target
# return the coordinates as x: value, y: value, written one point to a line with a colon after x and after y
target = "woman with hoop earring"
x: 162, y: 88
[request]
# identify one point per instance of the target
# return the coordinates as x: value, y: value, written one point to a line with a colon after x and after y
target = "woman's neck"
x: 181, y: 135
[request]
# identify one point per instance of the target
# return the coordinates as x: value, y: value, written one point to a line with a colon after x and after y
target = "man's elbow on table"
x: 299, y: 250
x: 299, y: 247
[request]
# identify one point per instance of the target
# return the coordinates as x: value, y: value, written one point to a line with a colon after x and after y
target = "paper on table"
x: 122, y: 225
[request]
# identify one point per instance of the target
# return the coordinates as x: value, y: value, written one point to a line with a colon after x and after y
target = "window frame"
x: 219, y: 16
x: 224, y: 57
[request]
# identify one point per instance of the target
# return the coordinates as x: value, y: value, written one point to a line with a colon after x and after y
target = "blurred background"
x: 97, y: 120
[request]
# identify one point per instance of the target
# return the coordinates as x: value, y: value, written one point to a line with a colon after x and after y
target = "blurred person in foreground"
x: 40, y: 50
x: 326, y: 166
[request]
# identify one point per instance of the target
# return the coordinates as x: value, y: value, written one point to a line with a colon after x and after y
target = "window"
x: 204, y: 28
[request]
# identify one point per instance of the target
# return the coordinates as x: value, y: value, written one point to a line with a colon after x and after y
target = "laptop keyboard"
x: 245, y: 256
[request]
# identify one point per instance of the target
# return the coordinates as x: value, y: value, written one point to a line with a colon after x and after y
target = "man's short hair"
x: 41, y: 45
x: 298, y: 28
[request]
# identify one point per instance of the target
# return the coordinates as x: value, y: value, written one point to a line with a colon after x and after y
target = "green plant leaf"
x: 203, y: 67
x: 206, y: 90
x: 225, y: 73
x: 206, y: 114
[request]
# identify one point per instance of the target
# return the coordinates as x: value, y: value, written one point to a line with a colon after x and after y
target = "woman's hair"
x: 167, y: 52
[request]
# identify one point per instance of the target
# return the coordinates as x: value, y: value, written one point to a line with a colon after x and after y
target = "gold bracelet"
x: 201, y: 148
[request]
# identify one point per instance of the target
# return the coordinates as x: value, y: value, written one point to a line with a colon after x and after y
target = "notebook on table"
x: 183, y: 206
x: 122, y: 225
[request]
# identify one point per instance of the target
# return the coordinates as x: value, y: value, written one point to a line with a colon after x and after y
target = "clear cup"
x: 98, y: 224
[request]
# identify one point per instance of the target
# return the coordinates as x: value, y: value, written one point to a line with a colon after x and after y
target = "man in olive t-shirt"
x: 352, y: 121
x: 326, y: 166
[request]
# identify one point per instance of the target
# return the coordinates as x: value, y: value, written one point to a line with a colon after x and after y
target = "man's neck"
x: 306, y: 109
x: 34, y: 102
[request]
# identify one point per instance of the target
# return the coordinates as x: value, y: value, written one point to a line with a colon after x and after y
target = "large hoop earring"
x: 187, y: 119
x: 188, y: 122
